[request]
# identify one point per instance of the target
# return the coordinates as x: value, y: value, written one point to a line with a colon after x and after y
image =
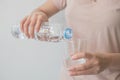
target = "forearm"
x: 115, y: 60
x: 47, y: 8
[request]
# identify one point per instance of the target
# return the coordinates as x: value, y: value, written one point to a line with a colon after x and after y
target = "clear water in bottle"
x: 16, y: 32
x: 48, y: 32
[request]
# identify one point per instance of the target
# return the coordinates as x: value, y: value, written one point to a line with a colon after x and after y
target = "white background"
x: 26, y: 59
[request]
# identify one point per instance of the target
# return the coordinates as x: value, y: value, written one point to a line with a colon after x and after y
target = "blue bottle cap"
x: 68, y: 33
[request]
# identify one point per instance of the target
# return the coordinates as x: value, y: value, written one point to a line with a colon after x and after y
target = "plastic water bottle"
x: 48, y: 32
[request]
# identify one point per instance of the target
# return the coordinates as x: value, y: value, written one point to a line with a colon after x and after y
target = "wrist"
x: 42, y: 12
x: 109, y: 58
x: 106, y: 58
x: 115, y: 60
x: 44, y: 15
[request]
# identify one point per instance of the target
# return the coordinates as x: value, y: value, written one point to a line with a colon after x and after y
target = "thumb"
x: 78, y: 56
x: 82, y: 55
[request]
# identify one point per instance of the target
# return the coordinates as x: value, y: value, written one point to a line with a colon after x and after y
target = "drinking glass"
x: 74, y: 46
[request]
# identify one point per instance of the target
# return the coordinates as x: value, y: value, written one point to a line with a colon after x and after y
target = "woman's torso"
x: 98, y: 21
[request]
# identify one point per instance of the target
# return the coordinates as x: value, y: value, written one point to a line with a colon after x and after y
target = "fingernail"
x: 71, y: 68
x: 32, y: 37
x: 36, y: 31
x: 22, y: 31
x: 71, y: 73
x: 28, y: 36
x: 73, y: 57
x: 71, y: 54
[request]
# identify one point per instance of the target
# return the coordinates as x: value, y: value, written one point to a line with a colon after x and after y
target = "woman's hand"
x: 95, y: 64
x: 32, y: 23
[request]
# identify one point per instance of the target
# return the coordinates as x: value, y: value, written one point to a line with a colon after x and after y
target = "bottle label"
x: 68, y: 33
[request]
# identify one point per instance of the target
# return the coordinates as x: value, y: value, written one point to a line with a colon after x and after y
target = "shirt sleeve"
x: 60, y: 4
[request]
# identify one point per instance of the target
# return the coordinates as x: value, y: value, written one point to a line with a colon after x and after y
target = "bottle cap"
x: 68, y: 33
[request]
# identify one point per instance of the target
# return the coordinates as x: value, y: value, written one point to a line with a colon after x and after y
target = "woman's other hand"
x: 95, y: 64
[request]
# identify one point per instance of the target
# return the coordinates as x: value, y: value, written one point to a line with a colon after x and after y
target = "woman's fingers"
x: 38, y: 23
x: 32, y: 25
x: 95, y: 64
x: 22, y: 23
x: 89, y: 64
x: 26, y: 27
x: 91, y: 71
x: 82, y: 55
x: 92, y: 66
x: 78, y: 56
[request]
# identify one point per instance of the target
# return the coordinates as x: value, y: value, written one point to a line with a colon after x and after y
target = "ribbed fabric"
x: 98, y: 22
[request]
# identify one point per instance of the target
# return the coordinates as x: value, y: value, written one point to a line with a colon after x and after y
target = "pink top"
x: 99, y: 22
